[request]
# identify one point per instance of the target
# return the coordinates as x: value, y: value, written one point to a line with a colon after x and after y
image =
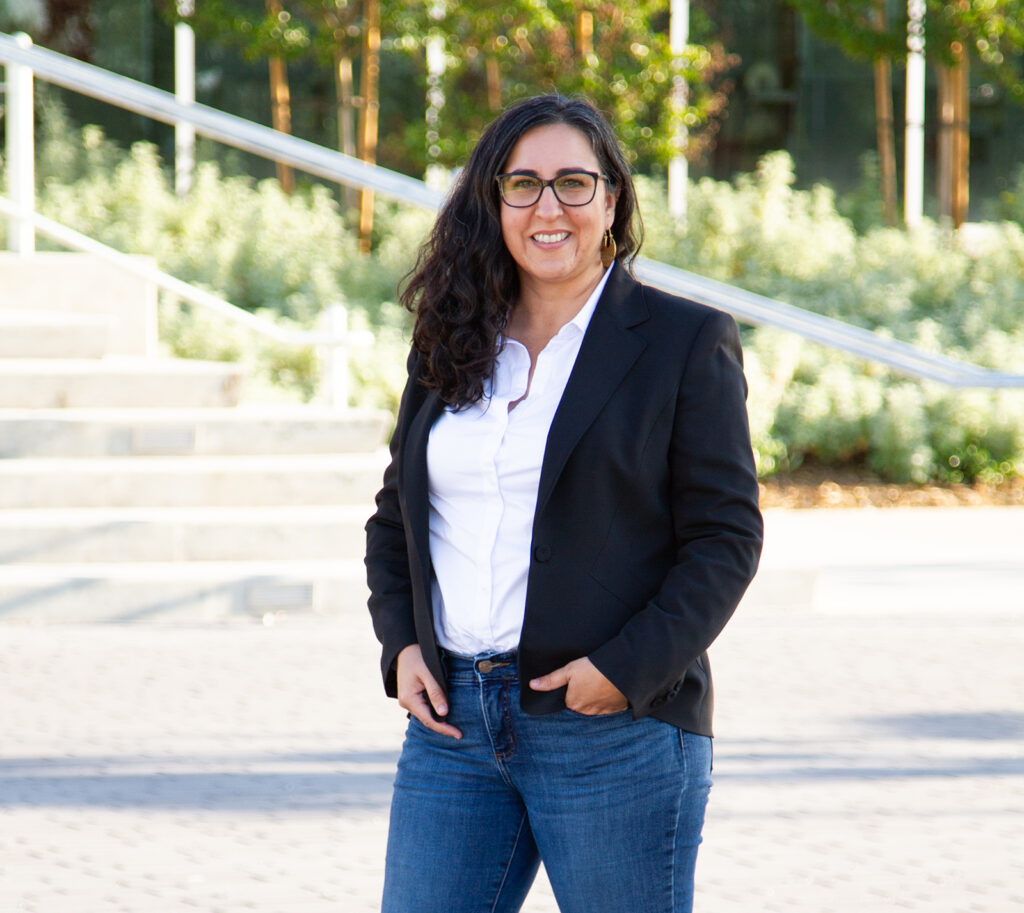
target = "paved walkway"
x: 870, y: 751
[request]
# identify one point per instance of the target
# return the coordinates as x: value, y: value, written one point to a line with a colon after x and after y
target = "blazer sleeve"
x: 387, y: 556
x: 716, y: 525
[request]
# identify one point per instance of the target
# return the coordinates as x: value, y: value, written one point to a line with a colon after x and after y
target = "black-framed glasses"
x: 573, y: 188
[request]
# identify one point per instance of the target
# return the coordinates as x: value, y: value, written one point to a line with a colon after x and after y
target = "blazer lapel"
x: 608, y: 351
x: 416, y: 483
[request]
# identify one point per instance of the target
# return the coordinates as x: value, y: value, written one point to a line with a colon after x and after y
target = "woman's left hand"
x: 587, y: 690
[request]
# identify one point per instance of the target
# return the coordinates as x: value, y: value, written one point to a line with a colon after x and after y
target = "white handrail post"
x: 185, y: 92
x: 21, y: 170
x: 336, y: 379
x: 913, y: 173
x: 678, y: 168
x: 437, y: 175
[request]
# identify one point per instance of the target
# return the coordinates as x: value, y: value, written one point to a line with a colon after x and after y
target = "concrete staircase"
x: 139, y: 487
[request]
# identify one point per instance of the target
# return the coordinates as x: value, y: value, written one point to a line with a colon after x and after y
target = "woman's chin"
x: 561, y: 271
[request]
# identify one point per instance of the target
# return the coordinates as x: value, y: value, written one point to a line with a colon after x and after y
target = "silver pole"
x: 21, y: 169
x: 184, y: 92
x: 437, y: 175
x: 678, y: 169
x: 913, y: 170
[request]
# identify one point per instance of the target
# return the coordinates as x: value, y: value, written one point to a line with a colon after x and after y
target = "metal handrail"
x: 132, y: 95
x: 758, y: 310
x: 746, y: 306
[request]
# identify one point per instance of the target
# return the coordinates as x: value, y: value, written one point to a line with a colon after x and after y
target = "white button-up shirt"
x: 484, y: 464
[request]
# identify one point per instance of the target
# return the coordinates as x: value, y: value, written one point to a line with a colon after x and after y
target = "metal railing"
x: 22, y: 61
x: 758, y: 310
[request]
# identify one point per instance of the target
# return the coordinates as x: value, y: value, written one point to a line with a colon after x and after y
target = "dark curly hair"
x: 465, y: 282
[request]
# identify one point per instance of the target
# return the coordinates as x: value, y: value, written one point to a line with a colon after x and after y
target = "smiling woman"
x: 466, y: 283
x: 569, y: 519
x: 556, y: 244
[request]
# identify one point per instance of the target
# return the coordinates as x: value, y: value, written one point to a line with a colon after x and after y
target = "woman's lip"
x: 550, y: 237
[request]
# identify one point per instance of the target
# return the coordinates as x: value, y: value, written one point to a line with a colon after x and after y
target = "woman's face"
x: 556, y: 245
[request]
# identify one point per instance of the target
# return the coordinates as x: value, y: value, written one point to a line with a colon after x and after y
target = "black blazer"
x: 647, y: 530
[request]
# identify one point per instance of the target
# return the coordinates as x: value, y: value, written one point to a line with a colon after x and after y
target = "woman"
x: 569, y: 519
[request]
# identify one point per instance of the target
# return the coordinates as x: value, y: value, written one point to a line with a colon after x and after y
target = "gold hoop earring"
x: 608, y: 248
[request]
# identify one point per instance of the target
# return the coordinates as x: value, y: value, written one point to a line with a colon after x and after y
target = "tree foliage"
x: 251, y: 27
x: 853, y: 25
x: 616, y: 54
x: 494, y: 54
x: 993, y: 31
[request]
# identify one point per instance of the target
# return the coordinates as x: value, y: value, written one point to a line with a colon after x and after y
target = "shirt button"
x: 542, y: 553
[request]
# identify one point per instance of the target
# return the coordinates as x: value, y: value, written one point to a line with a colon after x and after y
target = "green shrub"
x: 250, y: 242
x: 284, y: 257
x: 274, y: 371
x: 1010, y: 205
x: 961, y: 294
x: 290, y: 256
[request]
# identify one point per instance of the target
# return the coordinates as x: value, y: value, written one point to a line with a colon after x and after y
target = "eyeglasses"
x: 574, y: 188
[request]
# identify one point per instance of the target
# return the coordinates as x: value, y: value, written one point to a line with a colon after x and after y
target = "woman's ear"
x: 610, y: 202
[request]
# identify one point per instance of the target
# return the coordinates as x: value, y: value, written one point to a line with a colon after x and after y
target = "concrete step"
x: 201, y: 481
x: 863, y: 560
x: 180, y: 593
x: 73, y: 283
x: 203, y: 432
x: 44, y: 334
x: 183, y: 534
x: 117, y: 382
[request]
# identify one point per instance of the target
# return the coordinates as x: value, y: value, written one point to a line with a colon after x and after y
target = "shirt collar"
x: 507, y: 362
x: 578, y: 325
x: 582, y: 319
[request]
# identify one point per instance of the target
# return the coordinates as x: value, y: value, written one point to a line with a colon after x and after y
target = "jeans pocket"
x: 596, y: 716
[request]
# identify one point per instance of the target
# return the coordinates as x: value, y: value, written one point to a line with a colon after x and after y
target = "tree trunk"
x: 944, y: 150
x: 345, y: 110
x: 884, y: 124
x: 885, y: 137
x: 960, y: 192
x: 369, y: 112
x: 954, y: 137
x: 280, y: 105
x: 493, y: 84
x: 584, y: 34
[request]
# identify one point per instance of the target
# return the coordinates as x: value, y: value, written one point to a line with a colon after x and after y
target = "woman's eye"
x: 523, y: 183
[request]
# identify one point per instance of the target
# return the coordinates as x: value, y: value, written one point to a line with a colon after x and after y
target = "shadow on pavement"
x: 231, y: 783
x: 991, y: 726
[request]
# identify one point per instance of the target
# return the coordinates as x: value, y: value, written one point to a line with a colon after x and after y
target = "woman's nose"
x: 548, y: 203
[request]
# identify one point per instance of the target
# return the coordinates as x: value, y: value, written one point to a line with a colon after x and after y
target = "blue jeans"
x: 613, y: 806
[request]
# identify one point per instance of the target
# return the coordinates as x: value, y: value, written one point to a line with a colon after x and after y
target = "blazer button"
x: 542, y: 553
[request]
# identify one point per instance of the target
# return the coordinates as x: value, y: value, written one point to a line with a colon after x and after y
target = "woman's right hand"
x: 417, y: 687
